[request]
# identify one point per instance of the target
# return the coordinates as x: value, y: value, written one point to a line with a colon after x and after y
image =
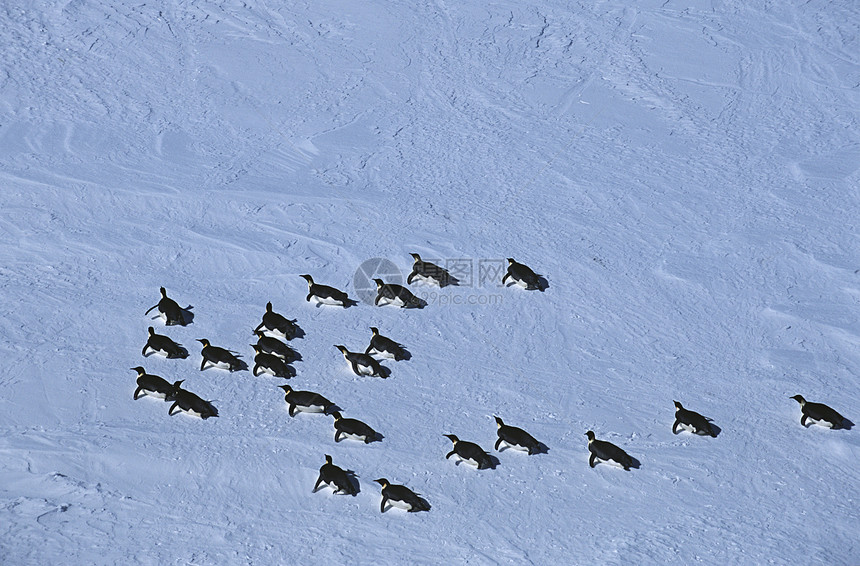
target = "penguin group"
x: 273, y: 357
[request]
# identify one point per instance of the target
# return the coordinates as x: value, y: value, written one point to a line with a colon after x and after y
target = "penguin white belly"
x: 518, y: 282
x: 516, y: 446
x: 821, y: 423
x: 364, y: 370
x: 153, y: 394
x: 331, y: 301
x: 189, y: 412
x: 467, y: 460
x: 353, y: 436
x: 425, y: 280
x: 382, y: 353
x: 268, y: 370
x: 687, y: 427
x: 406, y: 506
x: 396, y: 301
x: 310, y: 409
x: 219, y: 365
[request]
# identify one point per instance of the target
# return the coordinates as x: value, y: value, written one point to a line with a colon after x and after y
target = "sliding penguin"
x: 152, y: 385
x: 190, y: 403
x: 170, y: 311
x: 694, y: 422
x: 362, y: 364
x: 305, y: 401
x: 385, y: 347
x: 430, y: 273
x: 163, y: 345
x: 274, y: 346
x: 516, y: 438
x: 218, y: 357
x: 396, y: 295
x: 336, y: 478
x: 271, y: 364
x: 401, y: 497
x: 326, y: 295
x: 274, y: 322
x: 602, y: 451
x: 819, y: 414
x: 522, y: 275
x: 469, y: 452
x: 352, y: 428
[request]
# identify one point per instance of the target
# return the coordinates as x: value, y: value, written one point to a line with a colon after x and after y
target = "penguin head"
x: 163, y: 292
x: 342, y: 348
x: 327, y: 459
x: 499, y: 422
x: 383, y: 482
x: 203, y: 341
x: 416, y: 257
x: 511, y: 260
x: 286, y: 388
x: 590, y: 435
x: 151, y: 330
x: 374, y: 330
x: 259, y: 333
x: 677, y: 405
x: 799, y: 399
x: 269, y: 306
x: 307, y: 278
x: 177, y: 384
x: 139, y: 370
x: 256, y: 348
x: 337, y: 416
x: 379, y: 283
x: 452, y: 437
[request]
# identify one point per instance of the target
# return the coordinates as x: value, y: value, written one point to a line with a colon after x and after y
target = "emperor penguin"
x: 152, y: 385
x: 603, y: 451
x: 190, y: 403
x: 522, y: 275
x: 694, y: 422
x: 219, y: 357
x: 819, y: 413
x: 430, y: 273
x: 169, y: 310
x: 401, y: 497
x: 325, y: 295
x: 336, y: 478
x: 271, y: 345
x: 163, y: 345
x: 385, y: 347
x: 516, y: 438
x: 305, y: 401
x: 274, y: 322
x: 352, y: 428
x: 396, y: 295
x: 469, y: 452
x: 271, y: 364
x: 362, y: 364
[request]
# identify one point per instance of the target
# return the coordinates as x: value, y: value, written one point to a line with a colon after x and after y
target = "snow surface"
x: 684, y: 174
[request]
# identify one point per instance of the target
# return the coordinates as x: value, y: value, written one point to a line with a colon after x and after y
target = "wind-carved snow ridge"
x: 683, y: 176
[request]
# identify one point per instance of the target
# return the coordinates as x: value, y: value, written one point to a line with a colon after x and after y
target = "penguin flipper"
x: 143, y: 352
x: 591, y: 460
x: 498, y: 442
x: 451, y: 453
x: 337, y: 436
x: 382, y: 505
x: 316, y: 485
x: 203, y: 364
x: 172, y: 407
x: 355, y: 368
x: 258, y: 327
x: 149, y: 309
x: 803, y: 420
x: 675, y: 426
x: 254, y: 371
x: 292, y: 410
x: 505, y: 278
x: 308, y: 298
x: 137, y: 392
x: 411, y: 277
